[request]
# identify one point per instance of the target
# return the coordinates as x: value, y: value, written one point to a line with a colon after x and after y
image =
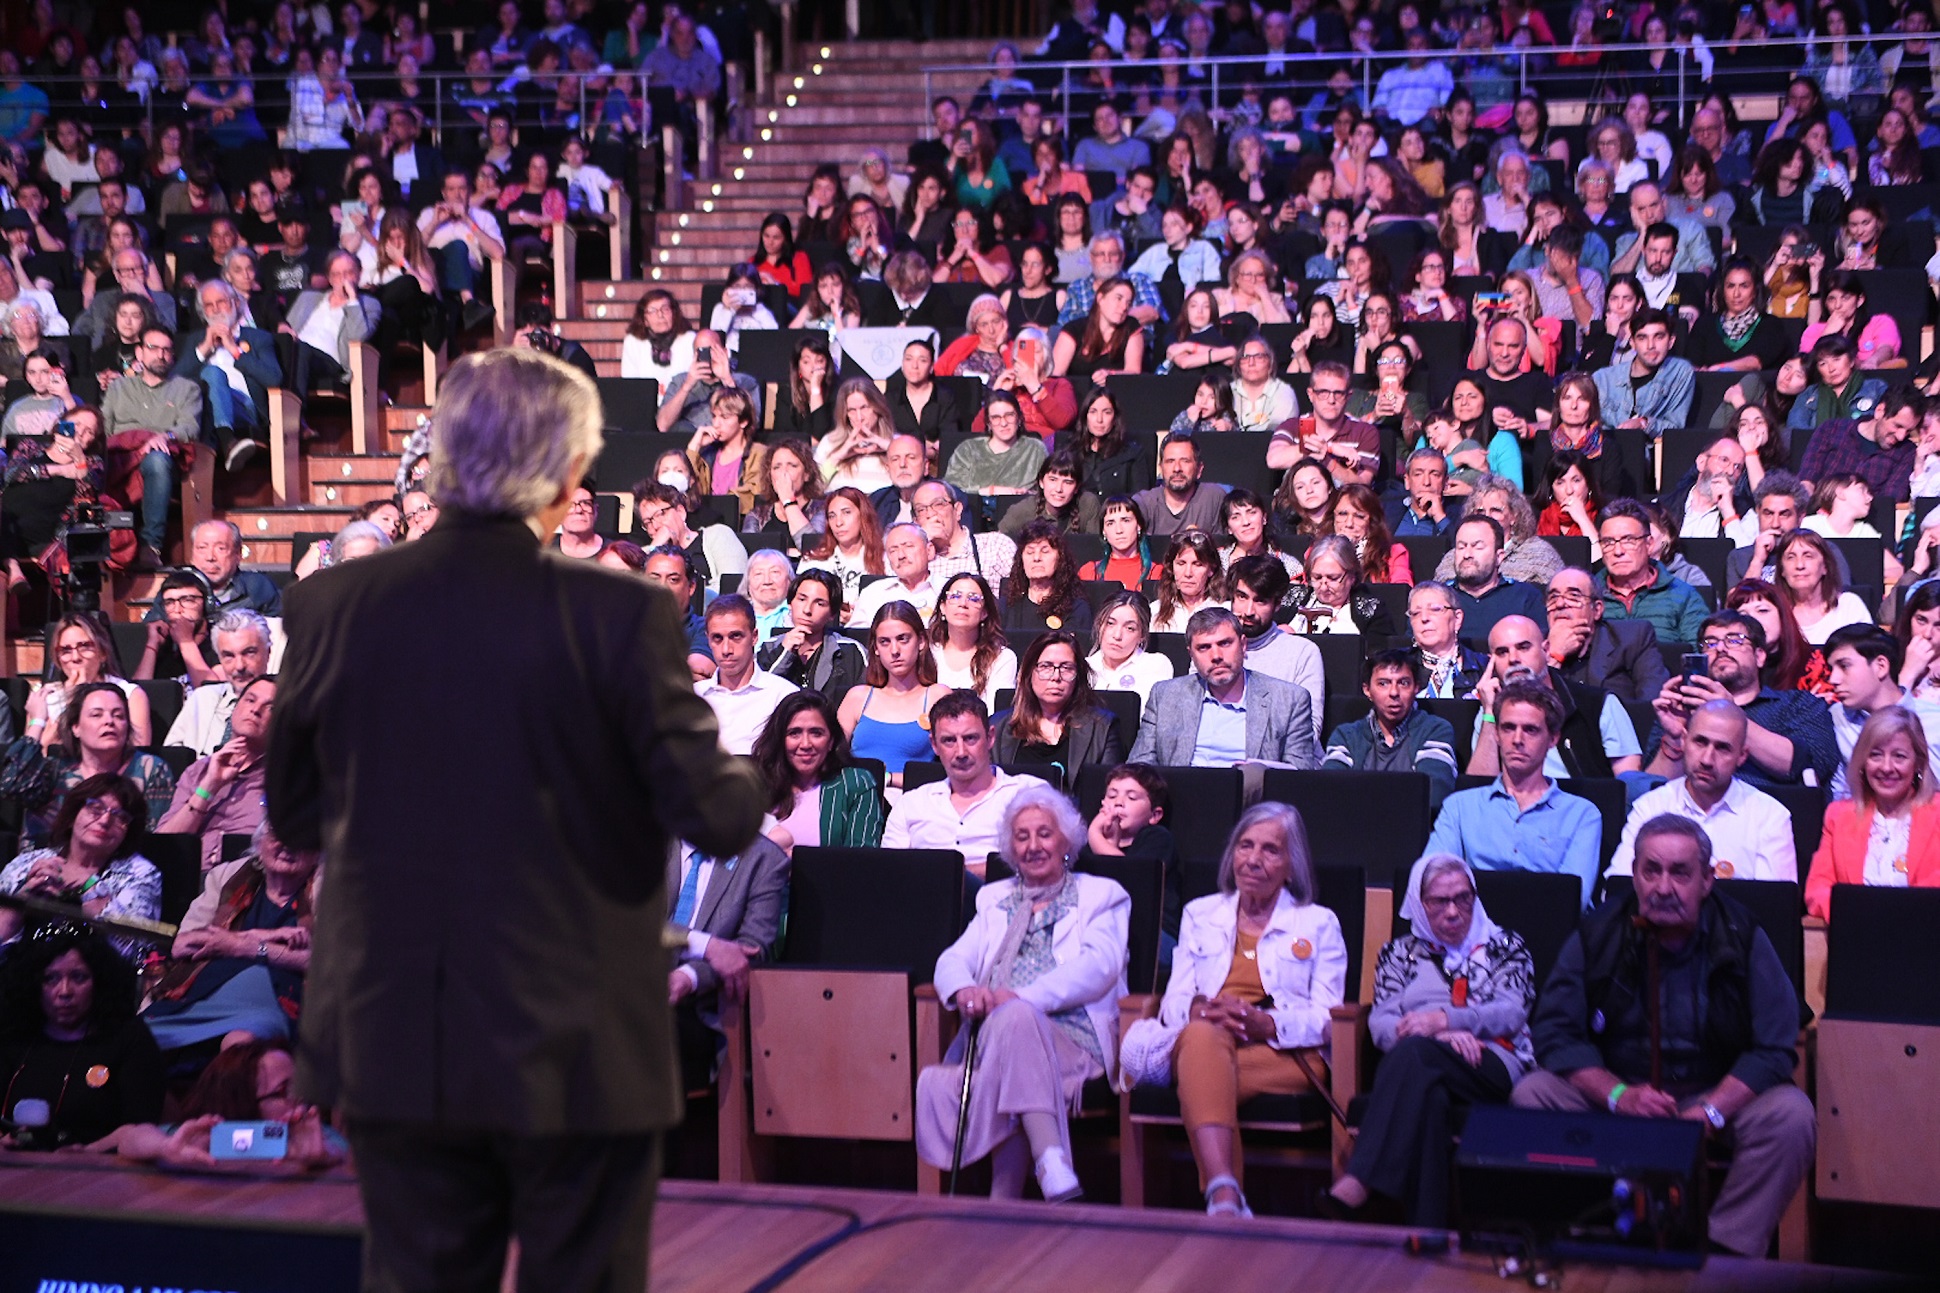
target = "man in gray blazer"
x: 1222, y: 713
x: 731, y: 910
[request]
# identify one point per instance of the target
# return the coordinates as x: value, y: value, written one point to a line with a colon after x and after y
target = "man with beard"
x: 1789, y: 741
x: 1621, y: 657
x: 1595, y: 738
x: 1726, y: 1029
x: 1182, y: 501
x: 1750, y: 832
x: 1257, y: 585
x: 1481, y: 592
x: 1222, y: 713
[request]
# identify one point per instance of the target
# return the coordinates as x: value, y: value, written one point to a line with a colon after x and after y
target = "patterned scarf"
x: 1592, y: 446
x: 1737, y: 328
x: 1023, y: 908
x: 237, y: 897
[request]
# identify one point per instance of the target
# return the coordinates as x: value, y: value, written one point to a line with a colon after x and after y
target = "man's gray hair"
x: 513, y: 428
x: 1208, y: 620
x: 222, y: 286
x: 24, y: 306
x: 243, y: 620
x: 1672, y: 824
x: 228, y: 527
x: 242, y: 253
x: 1424, y: 455
x: 1779, y: 481
x: 1111, y: 236
x: 1046, y: 799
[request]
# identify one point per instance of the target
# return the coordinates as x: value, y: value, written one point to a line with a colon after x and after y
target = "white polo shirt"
x: 924, y: 818
x: 1751, y: 833
x: 743, y: 711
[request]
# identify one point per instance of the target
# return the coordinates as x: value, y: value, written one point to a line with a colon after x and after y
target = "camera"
x: 88, y: 543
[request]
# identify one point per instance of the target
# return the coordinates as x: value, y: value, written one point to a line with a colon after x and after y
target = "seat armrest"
x: 1136, y: 1006
x: 1350, y: 1011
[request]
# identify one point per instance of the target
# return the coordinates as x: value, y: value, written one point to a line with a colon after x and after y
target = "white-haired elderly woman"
x: 1040, y: 973
x: 980, y: 351
x: 874, y: 177
x: 356, y: 539
x: 1258, y: 969
x: 765, y: 584
x: 1451, y: 1013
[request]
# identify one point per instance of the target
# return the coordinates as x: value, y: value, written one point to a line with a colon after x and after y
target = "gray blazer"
x: 360, y: 320
x: 745, y: 900
x: 1279, y: 723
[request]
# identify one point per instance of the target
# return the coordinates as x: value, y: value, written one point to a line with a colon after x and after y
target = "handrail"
x: 1527, y: 58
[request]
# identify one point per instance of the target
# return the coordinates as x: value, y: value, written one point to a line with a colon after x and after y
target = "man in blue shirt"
x: 1523, y: 821
x: 1481, y: 592
x: 1109, y: 148
x: 1655, y: 388
x: 1422, y: 512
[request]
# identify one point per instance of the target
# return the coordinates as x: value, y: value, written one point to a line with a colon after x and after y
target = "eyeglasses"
x: 1329, y: 392
x: 1624, y: 540
x: 1052, y: 669
x: 182, y: 601
x: 416, y: 512
x: 935, y: 505
x: 1255, y: 357
x: 578, y: 505
x: 964, y: 599
x: 1453, y: 902
x: 102, y: 808
x: 1566, y: 599
x: 1392, y: 361
x: 1730, y: 641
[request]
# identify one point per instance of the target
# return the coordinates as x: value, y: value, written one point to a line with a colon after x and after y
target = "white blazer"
x: 1091, y: 945
x: 1303, y: 988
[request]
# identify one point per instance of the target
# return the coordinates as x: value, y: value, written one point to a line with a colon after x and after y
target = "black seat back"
x: 883, y: 909
x: 1882, y: 962
x: 1206, y: 802
x: 1378, y: 821
x: 179, y: 859
x: 1343, y: 891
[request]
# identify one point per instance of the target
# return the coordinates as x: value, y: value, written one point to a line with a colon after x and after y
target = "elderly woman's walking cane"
x: 963, y: 1103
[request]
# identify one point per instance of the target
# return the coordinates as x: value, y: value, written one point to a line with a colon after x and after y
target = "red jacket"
x: 1841, y: 858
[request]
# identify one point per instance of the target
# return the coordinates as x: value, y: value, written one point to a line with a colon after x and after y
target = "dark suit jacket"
x: 431, y: 174
x: 1093, y: 739
x: 1623, y: 660
x: 941, y: 414
x: 487, y: 953
x: 745, y: 900
x: 257, y: 363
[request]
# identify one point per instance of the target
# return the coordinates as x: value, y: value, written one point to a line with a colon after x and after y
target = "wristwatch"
x: 1712, y: 1116
x: 262, y: 954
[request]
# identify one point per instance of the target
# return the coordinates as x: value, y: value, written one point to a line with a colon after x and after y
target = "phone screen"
x: 249, y: 1140
x: 64, y: 428
x: 1697, y: 665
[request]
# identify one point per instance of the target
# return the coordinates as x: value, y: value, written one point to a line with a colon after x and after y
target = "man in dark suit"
x: 1620, y: 656
x: 219, y: 355
x: 417, y: 167
x: 731, y: 911
x: 497, y: 892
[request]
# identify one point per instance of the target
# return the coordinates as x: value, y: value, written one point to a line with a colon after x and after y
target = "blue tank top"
x: 896, y: 744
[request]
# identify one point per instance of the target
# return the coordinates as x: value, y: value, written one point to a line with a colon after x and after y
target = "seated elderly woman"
x: 1451, y: 1011
x: 96, y: 738
x: 1038, y: 976
x: 1888, y: 833
x: 67, y: 1008
x: 765, y: 585
x: 1336, y: 598
x: 1258, y: 968
x: 237, y: 965
x: 359, y: 538
x: 819, y: 796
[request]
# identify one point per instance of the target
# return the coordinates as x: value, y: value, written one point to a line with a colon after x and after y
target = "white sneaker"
x: 1055, y: 1177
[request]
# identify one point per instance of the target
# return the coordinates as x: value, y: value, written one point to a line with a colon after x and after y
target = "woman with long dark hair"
x: 851, y: 546
x: 778, y: 260
x: 817, y: 794
x: 968, y: 641
x: 900, y: 687
x: 1112, y: 340
x: 1060, y: 498
x: 808, y: 411
x: 659, y: 341
x: 1791, y: 663
x: 1042, y: 590
x: 1569, y: 498
x: 1055, y: 717
x: 1114, y: 461
x: 1191, y: 579
x: 1358, y: 517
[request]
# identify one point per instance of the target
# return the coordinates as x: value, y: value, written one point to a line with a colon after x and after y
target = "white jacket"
x: 1303, y: 988
x: 1090, y: 944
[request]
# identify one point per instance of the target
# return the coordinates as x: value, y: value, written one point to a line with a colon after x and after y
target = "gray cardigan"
x: 1501, y: 992
x: 360, y: 319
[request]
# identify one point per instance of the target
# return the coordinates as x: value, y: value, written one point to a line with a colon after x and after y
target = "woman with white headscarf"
x: 1451, y: 1011
x: 1043, y: 967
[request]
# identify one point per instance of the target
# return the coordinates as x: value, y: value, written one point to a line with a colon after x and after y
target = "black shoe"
x: 1329, y: 1206
x: 241, y: 452
x: 475, y: 314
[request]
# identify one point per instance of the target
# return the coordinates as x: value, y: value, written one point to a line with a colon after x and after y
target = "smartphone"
x: 1696, y: 665
x: 64, y: 428
x: 1028, y: 353
x: 1491, y: 300
x: 266, y: 1141
x: 1805, y: 250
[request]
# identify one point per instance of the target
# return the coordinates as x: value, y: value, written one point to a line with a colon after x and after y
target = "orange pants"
x: 1216, y: 1074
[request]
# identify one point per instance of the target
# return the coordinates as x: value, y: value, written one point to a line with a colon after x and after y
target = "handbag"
x: 1145, y: 1054
x: 26, y: 773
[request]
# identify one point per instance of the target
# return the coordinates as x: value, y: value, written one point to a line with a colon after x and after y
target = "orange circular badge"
x: 1723, y: 869
x: 1053, y: 623
x: 97, y: 1076
x: 1302, y: 949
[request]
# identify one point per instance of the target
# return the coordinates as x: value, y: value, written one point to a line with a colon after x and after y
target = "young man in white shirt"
x: 1863, y: 661
x: 964, y: 811
x: 461, y: 238
x: 1751, y: 833
x: 742, y: 696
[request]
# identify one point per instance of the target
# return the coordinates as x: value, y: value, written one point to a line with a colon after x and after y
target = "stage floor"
x: 712, y: 1238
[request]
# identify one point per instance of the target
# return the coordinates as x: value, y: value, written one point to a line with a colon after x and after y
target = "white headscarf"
x: 1480, y: 928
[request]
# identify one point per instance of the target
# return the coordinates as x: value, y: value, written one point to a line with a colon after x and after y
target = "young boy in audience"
x: 1127, y: 824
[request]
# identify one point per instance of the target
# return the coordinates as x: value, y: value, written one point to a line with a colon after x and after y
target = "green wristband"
x: 1616, y: 1094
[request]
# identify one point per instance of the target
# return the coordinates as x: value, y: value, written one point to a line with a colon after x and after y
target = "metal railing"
x: 1229, y: 75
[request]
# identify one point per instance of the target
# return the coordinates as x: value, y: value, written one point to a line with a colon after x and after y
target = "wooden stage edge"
x: 719, y: 1238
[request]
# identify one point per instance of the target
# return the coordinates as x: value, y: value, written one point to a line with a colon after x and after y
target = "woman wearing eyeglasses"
x: 1054, y: 718
x: 96, y: 739
x: 85, y: 654
x: 968, y: 644
x: 69, y: 1037
x: 91, y: 859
